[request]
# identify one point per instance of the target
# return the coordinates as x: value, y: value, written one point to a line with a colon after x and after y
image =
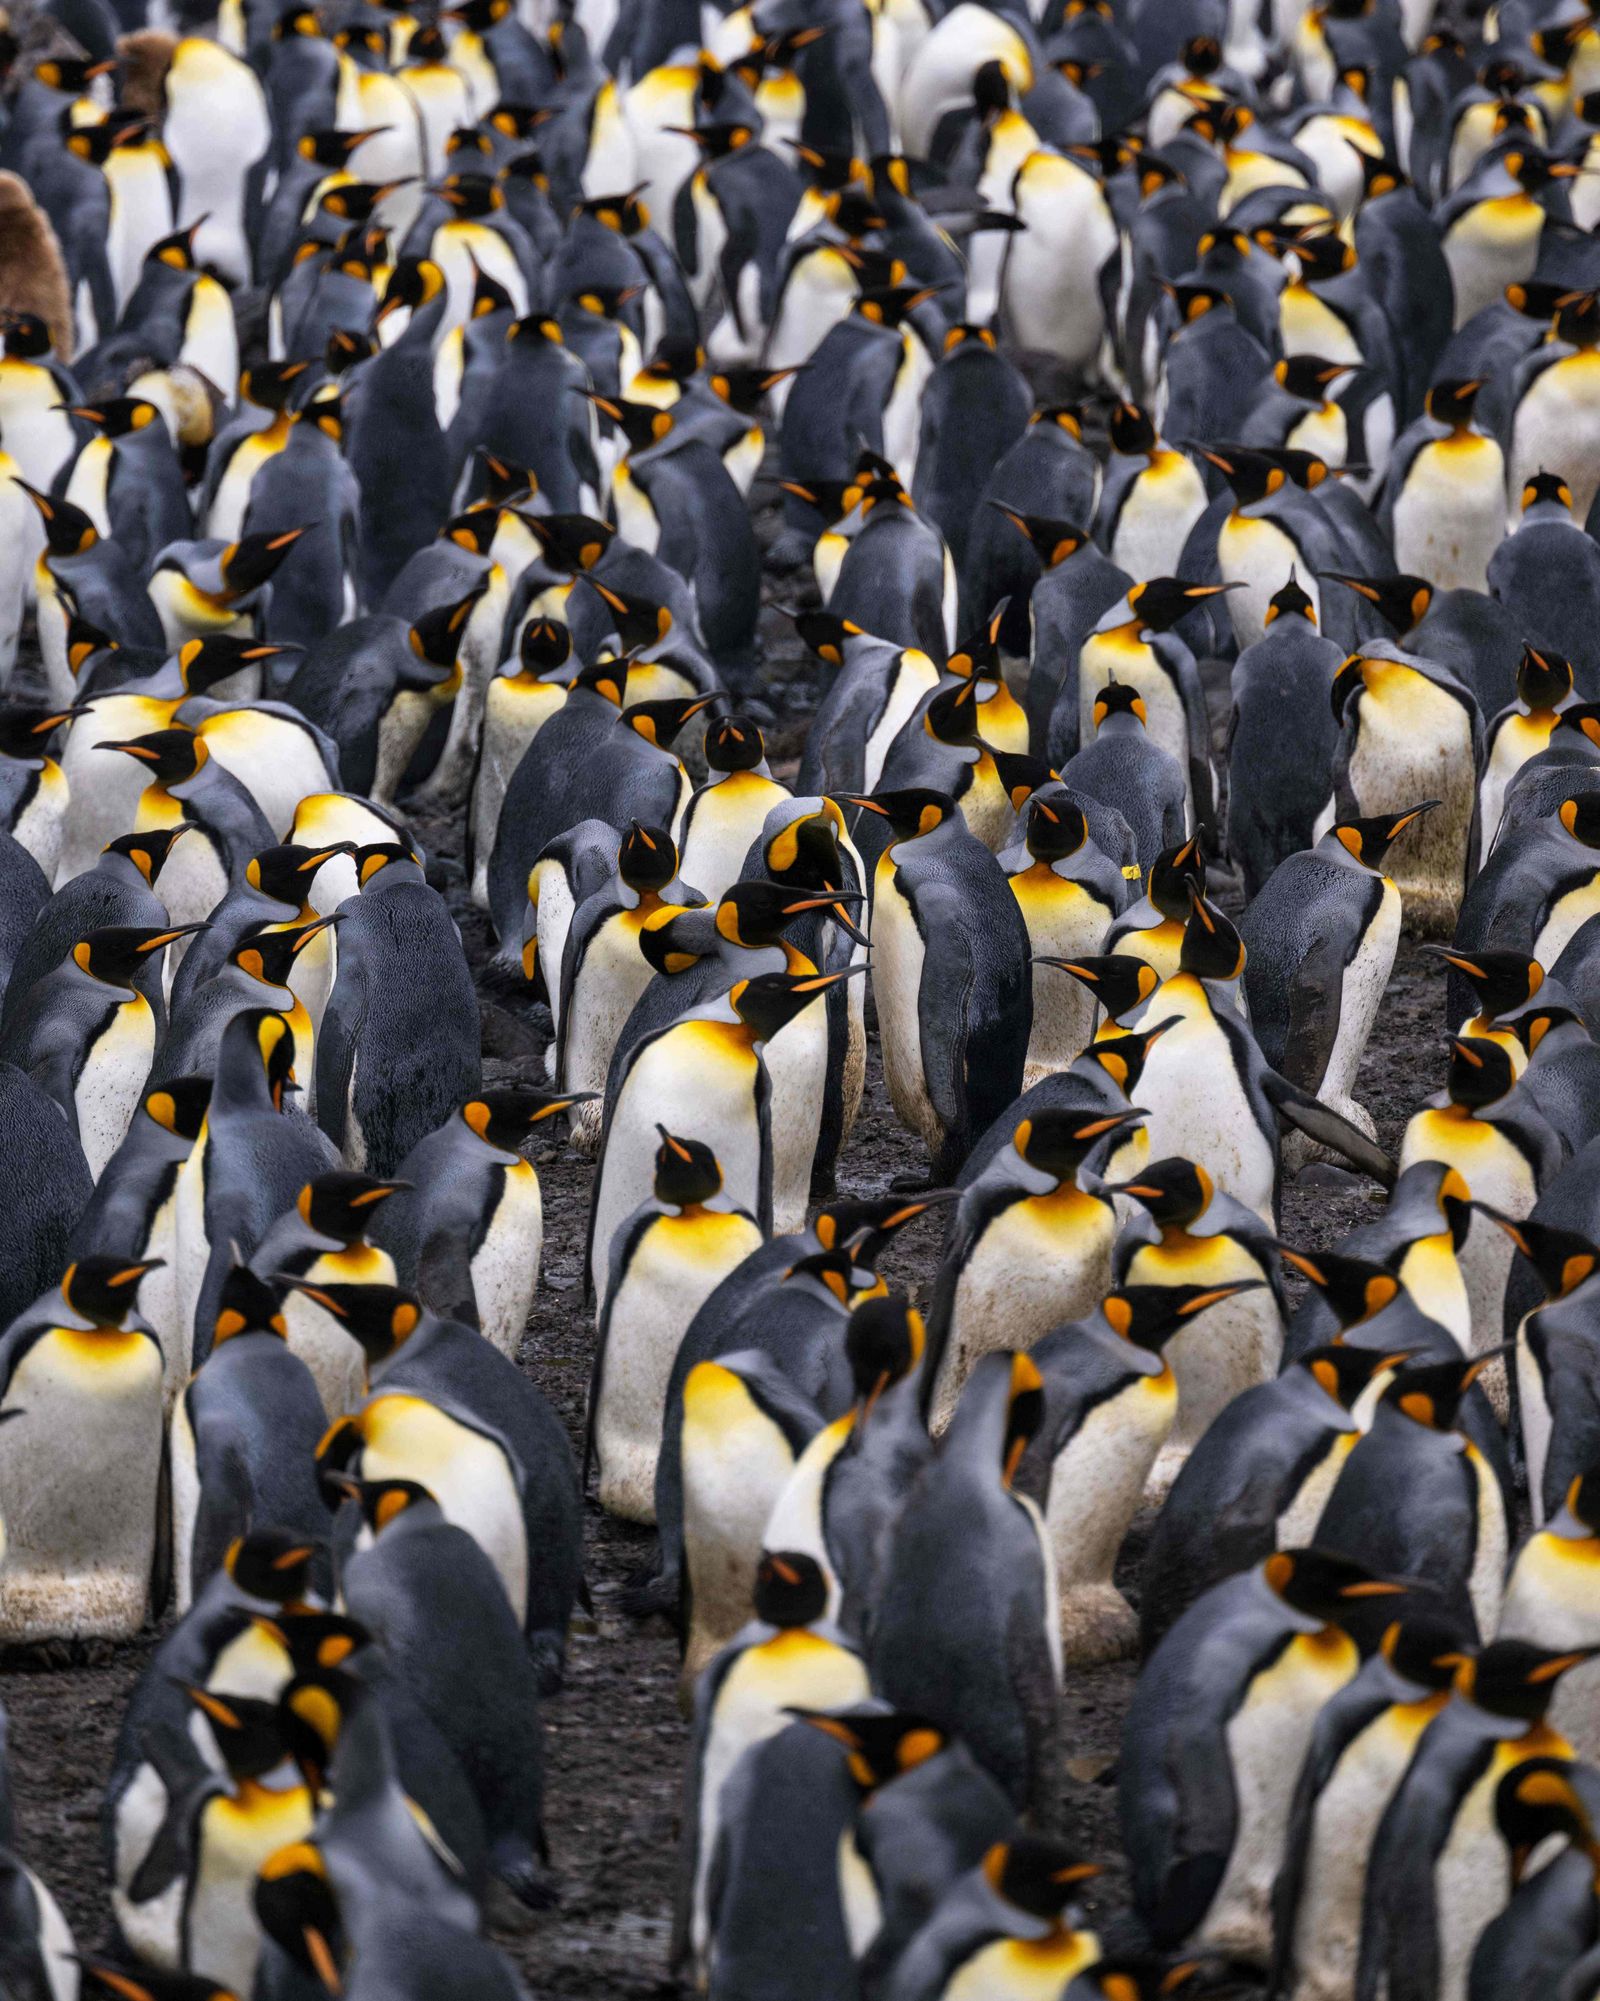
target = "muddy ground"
x: 615, y: 1738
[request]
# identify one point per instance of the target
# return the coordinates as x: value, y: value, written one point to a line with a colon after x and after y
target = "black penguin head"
x: 1036, y: 1873
x: 1291, y: 602
x: 415, y: 282
x: 342, y: 1205
x: 1515, y: 1678
x: 678, y: 358
x: 1123, y: 1057
x: 1453, y: 402
x: 118, y: 416
x: 316, y: 1641
x: 642, y: 424
x: 286, y: 872
x: 118, y: 953
x: 1251, y: 475
x: 105, y: 1290
x: 686, y: 1171
x: 1163, y: 602
x: 771, y: 1000
x: 804, y: 852
x: 1309, y: 376
x: 660, y: 722
x: 836, y: 1271
x: 248, y: 1304
x: 883, y: 1343
x: 345, y: 350
x: 1174, y: 1192
x: 880, y: 1747
x: 1119, y: 981
x: 1430, y: 1393
x: 910, y: 811
x: 1582, y: 1500
x: 1424, y: 1644
x: 173, y: 755
x: 757, y: 913
x: 68, y: 531
x: 1125, y: 1977
x: 1581, y: 818
x: 1355, y: 1288
x: 893, y: 305
x: 977, y: 657
x: 254, y: 560
x: 733, y: 743
x: 872, y: 1223
x: 375, y: 857
x: 474, y: 530
x: 268, y: 954
x: 825, y: 634
x: 1401, y: 602
x: 1053, y: 541
x: 202, y: 663
x: 1149, y: 1315
x: 1533, y: 170
x: 1118, y: 698
x: 296, y: 1907
x: 545, y: 646
x: 246, y: 1731
x: 1212, y: 947
x: 179, y: 1106
x: 437, y: 635
x: 380, y: 1317
x: 951, y: 717
x: 272, y: 385
x: 1480, y: 1072
x: 1544, y: 680
x: 26, y: 730
x: 1058, y: 1142
x: 1368, y: 841
x: 1174, y: 875
x: 1535, y: 1023
x: 1563, y: 1259
x: 148, y: 852
x: 647, y: 860
x: 1537, y: 1802
x: 505, y: 1117
x: 1022, y: 775
x: 270, y: 1564
x: 1345, y: 1371
x: 1320, y: 1585
x: 384, y: 1502
x: 1546, y: 489
x: 791, y: 1590
x: 1500, y: 981
x: 1132, y: 431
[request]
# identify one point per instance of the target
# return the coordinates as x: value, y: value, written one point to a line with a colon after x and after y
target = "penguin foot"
x: 914, y: 1184
x: 649, y: 1595
x: 1097, y: 1626
x: 518, y: 1889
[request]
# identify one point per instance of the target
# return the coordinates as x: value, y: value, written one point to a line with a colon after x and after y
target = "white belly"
x: 505, y: 1267
x: 797, y: 1067
x: 1415, y: 742
x: 1256, y: 557
x: 1217, y: 1126
x: 897, y: 967
x: 112, y: 1081
x: 1360, y: 993
x: 1557, y: 424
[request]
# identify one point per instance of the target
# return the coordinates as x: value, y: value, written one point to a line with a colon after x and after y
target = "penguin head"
x: 1290, y: 602
x: 414, y: 284
x: 687, y: 1172
x: 1054, y: 541
x: 758, y: 913
x: 99, y: 1977
x: 836, y: 1271
x: 173, y: 755
x: 678, y: 358
x: 1480, y: 1072
x: 1320, y: 1585
x: 1118, y: 1977
x: 1174, y: 1192
x: 647, y: 860
x: 1537, y: 1802
x: 1059, y: 1142
x: 68, y: 531
x: 384, y: 1502
x: 733, y: 743
x: 770, y: 1001
x: 504, y: 483
x: 316, y: 1641
x: 203, y: 662
x: 1174, y: 874
x: 1424, y: 1645
x: 1037, y: 1874
x: 1500, y: 981
x: 425, y: 44
x: 1310, y: 377
x: 1430, y: 1393
x: 1546, y: 489
x: 473, y: 530
x: 245, y: 1730
x: 545, y: 646
x: 297, y: 19
x: 1581, y: 818
x: 1116, y: 700
x: 27, y: 337
x: 743, y: 389
x: 1132, y: 431
x: 911, y: 811
x: 436, y: 636
x: 377, y: 858
x: 951, y: 716
x: 327, y: 147
x: 248, y: 1304
x: 1163, y: 602
x: 880, y: 1746
x: 1583, y: 1500
x: 642, y: 424
x: 1516, y: 1678
x: 1119, y: 981
x: 1123, y: 1057
x: 286, y: 872
x: 1401, y: 602
x: 1368, y: 841
x: 1252, y: 476
x: 296, y: 1907
x: 1056, y: 829
x: 893, y: 305
x: 1212, y: 947
x: 26, y: 730
x: 118, y: 416
x: 267, y: 953
x: 105, y: 1290
x: 790, y: 1591
x: 1345, y: 1371
x: 1021, y: 775
x: 873, y: 1222
x: 1563, y: 1259
x: 179, y: 1105
x: 341, y: 1205
x: 1197, y: 302
x: 271, y: 385
x: 270, y: 1564
x: 1533, y: 169
x: 381, y: 1318
x: 672, y: 941
x: 270, y: 1039
x: 1453, y: 402
x: 638, y: 622
x: 1544, y: 680
x: 346, y: 349
x: 804, y: 852
x: 118, y: 953
x: 660, y: 722
x: 1355, y: 1289
x: 883, y: 1342
x: 1150, y: 1315
x: 253, y: 560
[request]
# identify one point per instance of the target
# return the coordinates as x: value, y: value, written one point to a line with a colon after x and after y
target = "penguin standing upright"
x: 1444, y: 504
x: 1069, y: 893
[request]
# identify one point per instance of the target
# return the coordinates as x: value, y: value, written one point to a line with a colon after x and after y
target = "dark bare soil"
x: 615, y: 1739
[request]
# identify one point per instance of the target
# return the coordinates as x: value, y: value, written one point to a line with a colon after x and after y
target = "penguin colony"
x: 383, y: 399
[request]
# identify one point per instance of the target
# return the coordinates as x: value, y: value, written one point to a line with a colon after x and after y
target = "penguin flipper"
x: 188, y: 1783
x: 1314, y: 997
x: 1327, y: 1127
